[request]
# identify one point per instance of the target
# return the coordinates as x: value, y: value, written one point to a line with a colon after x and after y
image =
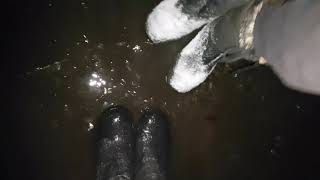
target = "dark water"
x: 71, y: 59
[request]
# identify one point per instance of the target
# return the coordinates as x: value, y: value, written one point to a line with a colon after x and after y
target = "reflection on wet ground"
x: 80, y: 57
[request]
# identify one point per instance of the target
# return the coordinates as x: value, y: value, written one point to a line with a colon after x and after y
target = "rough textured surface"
x: 212, y: 44
x: 172, y: 19
x: 167, y: 21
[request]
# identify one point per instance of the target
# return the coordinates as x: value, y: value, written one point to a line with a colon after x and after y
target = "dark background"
x: 236, y: 125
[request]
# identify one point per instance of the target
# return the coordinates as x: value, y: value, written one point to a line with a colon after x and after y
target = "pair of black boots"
x: 128, y: 153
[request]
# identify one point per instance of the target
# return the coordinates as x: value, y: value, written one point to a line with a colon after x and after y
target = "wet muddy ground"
x: 69, y: 60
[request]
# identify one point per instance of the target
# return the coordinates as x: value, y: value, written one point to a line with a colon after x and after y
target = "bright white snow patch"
x: 190, y: 71
x: 185, y: 79
x: 168, y: 22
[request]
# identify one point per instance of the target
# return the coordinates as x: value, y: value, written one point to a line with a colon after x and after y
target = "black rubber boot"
x: 115, y: 145
x: 152, y: 147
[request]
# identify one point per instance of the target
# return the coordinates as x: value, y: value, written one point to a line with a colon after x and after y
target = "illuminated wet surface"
x: 73, y: 59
